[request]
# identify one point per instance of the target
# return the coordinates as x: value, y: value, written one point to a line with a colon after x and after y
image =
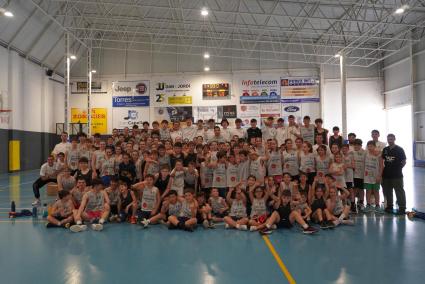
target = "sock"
x: 101, y: 221
x: 79, y: 223
x: 305, y: 226
x: 342, y: 216
x: 268, y: 226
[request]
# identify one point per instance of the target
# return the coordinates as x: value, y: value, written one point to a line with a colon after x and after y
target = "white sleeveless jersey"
x: 258, y: 207
x: 114, y: 196
x: 339, y: 179
x: 237, y: 209
x: 216, y: 204
x: 219, y: 176
x: 322, y: 166
x: 307, y: 163
x: 153, y: 169
x: 108, y: 167
x: 244, y: 170
x: 95, y: 201
x: 274, y: 164
x: 232, y: 174
x: 290, y: 163
x: 100, y: 157
x: 185, y: 210
x: 178, y: 182
x: 149, y: 198
x: 359, y: 159
x: 349, y: 172
x: 371, y: 170
x: 307, y: 134
x: 174, y: 209
x: 72, y: 158
x: 207, y: 175
x: 256, y: 168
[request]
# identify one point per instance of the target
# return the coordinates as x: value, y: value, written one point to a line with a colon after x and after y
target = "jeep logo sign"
x: 291, y: 109
x: 122, y: 89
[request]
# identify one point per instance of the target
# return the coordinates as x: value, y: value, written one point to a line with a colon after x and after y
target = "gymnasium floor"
x: 384, y: 249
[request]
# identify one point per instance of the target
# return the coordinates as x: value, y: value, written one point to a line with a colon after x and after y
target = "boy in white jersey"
x: 237, y: 217
x: 268, y: 131
x: 61, y: 212
x: 94, y: 206
x: 186, y: 219
x: 359, y: 157
x: 307, y: 130
x: 218, y: 205
x: 372, y: 176
x: 150, y: 199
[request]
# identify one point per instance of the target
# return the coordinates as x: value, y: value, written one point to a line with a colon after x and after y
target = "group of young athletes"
x: 186, y: 175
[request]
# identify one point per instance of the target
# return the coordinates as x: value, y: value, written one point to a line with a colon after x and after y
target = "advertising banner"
x: 171, y: 91
x: 78, y: 115
x: 246, y: 112
x: 299, y: 90
x: 270, y: 110
x: 99, y: 120
x: 292, y: 109
x: 127, y: 117
x: 205, y: 113
x: 218, y: 91
x: 227, y: 112
x: 172, y: 113
x: 258, y: 90
x: 97, y: 87
x: 130, y: 93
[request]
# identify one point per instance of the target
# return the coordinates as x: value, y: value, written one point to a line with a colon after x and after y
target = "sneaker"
x: 324, y: 225
x: 51, y: 225
x: 226, y: 226
x: 36, y: 203
x: 401, y: 212
x: 265, y: 231
x: 253, y: 228
x: 378, y: 209
x: 67, y: 225
x: 389, y: 210
x: 273, y: 227
x: 368, y: 209
x: 133, y: 220
x: 360, y: 207
x: 145, y: 223
x: 205, y: 224
x: 243, y: 227
x: 347, y: 222
x: 353, y: 208
x: 310, y: 230
x: 97, y: 227
x: 78, y: 228
x: 211, y: 224
x: 330, y: 224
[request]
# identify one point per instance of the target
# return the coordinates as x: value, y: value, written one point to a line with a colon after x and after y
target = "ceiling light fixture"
x: 204, y: 12
x: 401, y: 9
x: 206, y: 68
x: 93, y: 71
x: 337, y: 55
x: 73, y: 57
x: 8, y: 14
x: 206, y: 55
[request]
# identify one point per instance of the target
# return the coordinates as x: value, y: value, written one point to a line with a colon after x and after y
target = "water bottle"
x: 34, y: 212
x: 45, y: 212
x: 12, y: 213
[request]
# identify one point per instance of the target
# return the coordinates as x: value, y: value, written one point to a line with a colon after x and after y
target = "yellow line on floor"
x: 279, y: 260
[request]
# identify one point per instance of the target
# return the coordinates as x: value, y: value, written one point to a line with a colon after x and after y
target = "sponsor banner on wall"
x: 172, y: 113
x: 246, y: 112
x: 180, y: 100
x: 258, y: 90
x: 228, y: 112
x: 172, y: 91
x: 205, y: 113
x: 127, y: 117
x: 217, y: 91
x: 292, y: 109
x: 99, y: 120
x: 97, y: 87
x: 270, y: 110
x: 299, y: 90
x: 130, y: 93
x: 5, y: 111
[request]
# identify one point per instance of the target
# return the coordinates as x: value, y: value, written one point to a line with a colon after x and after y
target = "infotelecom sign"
x: 259, y: 91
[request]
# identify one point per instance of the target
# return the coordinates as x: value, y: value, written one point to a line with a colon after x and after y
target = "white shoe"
x: 97, y: 227
x: 226, y: 226
x: 347, y: 222
x: 205, y: 224
x: 78, y: 228
x: 253, y: 228
x: 243, y: 227
x: 36, y: 202
x: 145, y: 223
x: 273, y: 227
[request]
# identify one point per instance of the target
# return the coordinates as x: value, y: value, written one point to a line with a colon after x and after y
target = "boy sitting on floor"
x: 61, y: 215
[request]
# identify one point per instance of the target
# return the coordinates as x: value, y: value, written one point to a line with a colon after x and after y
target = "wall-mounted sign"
x: 205, y: 113
x: 172, y: 113
x: 217, y: 91
x: 299, y: 90
x: 130, y: 93
x: 180, y: 100
x: 170, y: 90
x: 127, y: 117
x: 80, y: 87
x: 226, y: 112
x: 98, y: 117
x: 253, y: 91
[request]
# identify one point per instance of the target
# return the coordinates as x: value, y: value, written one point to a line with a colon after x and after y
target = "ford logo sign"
x: 291, y: 109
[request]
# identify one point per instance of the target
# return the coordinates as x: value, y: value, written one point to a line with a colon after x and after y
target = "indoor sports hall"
x: 212, y: 141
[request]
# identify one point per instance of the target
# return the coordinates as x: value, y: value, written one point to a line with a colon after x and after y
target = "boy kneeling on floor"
x: 61, y: 215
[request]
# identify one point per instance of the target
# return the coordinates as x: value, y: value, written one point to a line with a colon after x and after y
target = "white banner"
x: 205, y: 113
x: 292, y: 109
x: 130, y: 93
x: 246, y: 112
x: 97, y: 87
x: 164, y: 90
x: 258, y: 88
x: 127, y: 117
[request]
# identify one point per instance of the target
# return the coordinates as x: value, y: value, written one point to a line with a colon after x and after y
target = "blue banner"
x: 304, y: 100
x: 130, y: 101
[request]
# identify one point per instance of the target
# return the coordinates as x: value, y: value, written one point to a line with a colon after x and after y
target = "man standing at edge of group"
x: 64, y: 146
x: 392, y: 177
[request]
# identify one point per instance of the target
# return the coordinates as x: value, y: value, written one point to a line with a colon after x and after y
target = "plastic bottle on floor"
x: 34, y: 212
x: 45, y: 212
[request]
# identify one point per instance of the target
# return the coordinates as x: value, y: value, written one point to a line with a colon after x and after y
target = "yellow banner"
x: 78, y: 115
x: 185, y: 100
x: 99, y: 120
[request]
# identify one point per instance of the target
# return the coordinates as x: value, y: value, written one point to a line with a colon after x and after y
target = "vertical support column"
x: 343, y: 74
x: 322, y: 89
x: 89, y: 80
x: 414, y: 116
x: 67, y: 84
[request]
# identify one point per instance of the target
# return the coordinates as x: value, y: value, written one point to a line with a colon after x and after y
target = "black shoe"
x: 401, y: 212
x: 389, y: 210
x: 51, y: 225
x: 324, y: 225
x: 181, y: 225
x: 330, y: 224
x: 353, y: 208
x: 171, y: 227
